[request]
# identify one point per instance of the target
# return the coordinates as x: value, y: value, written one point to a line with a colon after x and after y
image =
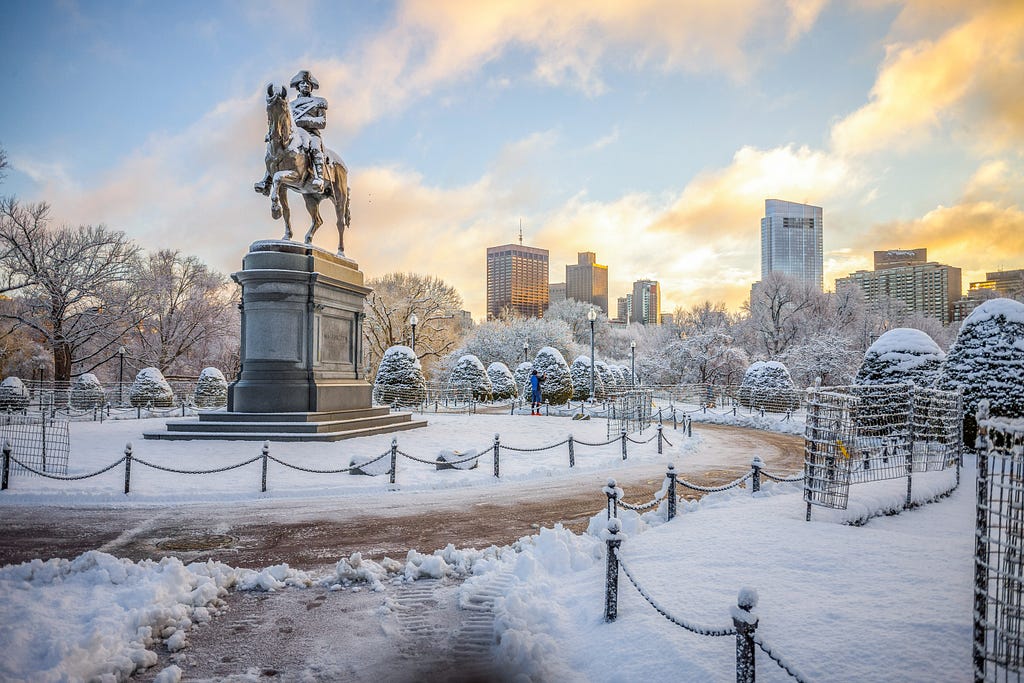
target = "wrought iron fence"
x: 999, y: 550
x: 37, y: 442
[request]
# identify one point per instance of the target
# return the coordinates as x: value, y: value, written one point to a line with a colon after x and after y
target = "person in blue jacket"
x: 535, y: 380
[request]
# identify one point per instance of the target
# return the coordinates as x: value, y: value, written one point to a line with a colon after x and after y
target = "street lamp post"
x: 526, y: 351
x: 120, y: 376
x: 412, y: 321
x: 632, y: 362
x: 592, y: 316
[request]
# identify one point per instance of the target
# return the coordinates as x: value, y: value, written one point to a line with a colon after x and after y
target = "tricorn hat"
x: 304, y: 75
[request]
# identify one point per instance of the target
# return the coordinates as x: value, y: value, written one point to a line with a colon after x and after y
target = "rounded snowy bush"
x: 13, y: 394
x: 502, y: 381
x: 87, y: 392
x: 899, y: 356
x: 150, y: 388
x: 211, y: 389
x: 607, y: 376
x: 987, y: 361
x: 579, y: 371
x: 469, y: 378
x: 619, y: 373
x: 399, y: 379
x: 556, y: 388
x: 522, y: 378
x: 767, y: 385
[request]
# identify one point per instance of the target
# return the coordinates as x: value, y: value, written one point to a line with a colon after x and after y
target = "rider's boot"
x: 318, y: 175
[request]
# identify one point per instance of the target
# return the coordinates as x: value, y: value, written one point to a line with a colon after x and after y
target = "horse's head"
x: 279, y: 114
x: 273, y: 94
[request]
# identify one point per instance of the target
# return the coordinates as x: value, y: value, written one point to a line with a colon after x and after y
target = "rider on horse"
x: 310, y: 113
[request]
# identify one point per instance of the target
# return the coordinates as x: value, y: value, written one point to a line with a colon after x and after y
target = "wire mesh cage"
x: 999, y: 552
x: 630, y: 411
x: 857, y: 434
x: 40, y: 442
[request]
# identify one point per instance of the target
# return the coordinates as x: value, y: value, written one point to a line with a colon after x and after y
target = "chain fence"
x: 40, y: 443
x: 998, y: 649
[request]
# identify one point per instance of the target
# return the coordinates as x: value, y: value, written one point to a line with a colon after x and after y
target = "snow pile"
x: 556, y: 388
x: 87, y: 392
x: 399, y: 379
x: 768, y: 384
x: 98, y: 616
x: 579, y: 372
x: 987, y: 362
x: 449, y: 562
x: 13, y: 394
x: 150, y: 388
x: 502, y: 381
x: 469, y: 376
x: 901, y: 355
x: 457, y: 460
x: 211, y: 389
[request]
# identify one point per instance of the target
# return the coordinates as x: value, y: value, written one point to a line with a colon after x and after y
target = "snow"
x: 1012, y: 310
x: 905, y: 340
x: 886, y: 601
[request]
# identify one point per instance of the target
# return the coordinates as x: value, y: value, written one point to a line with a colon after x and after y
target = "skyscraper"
x: 791, y: 241
x: 517, y: 279
x: 587, y: 281
x: 646, y: 304
x: 907, y: 274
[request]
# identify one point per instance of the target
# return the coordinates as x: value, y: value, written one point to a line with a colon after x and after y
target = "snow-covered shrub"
x: 607, y: 376
x: 469, y: 377
x: 13, y: 394
x: 87, y: 392
x: 503, y: 383
x: 579, y: 371
x: 556, y: 387
x: 767, y: 384
x: 987, y: 361
x: 522, y: 377
x: 899, y: 356
x: 150, y: 388
x: 399, y: 379
x: 620, y: 374
x: 211, y: 389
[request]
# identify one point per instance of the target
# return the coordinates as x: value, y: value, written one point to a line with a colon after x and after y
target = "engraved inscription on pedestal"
x: 336, y: 340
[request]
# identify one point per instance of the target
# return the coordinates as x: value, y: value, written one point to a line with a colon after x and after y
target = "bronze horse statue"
x: 288, y: 167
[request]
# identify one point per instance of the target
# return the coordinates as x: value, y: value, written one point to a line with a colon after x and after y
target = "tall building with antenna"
x: 517, y: 280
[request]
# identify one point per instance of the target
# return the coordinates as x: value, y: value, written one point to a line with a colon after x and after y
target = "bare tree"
x: 778, y: 312
x: 74, y: 284
x: 395, y: 297
x: 190, y: 312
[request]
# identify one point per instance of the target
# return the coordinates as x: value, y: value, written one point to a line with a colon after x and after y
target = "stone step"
x: 294, y: 417
x: 292, y: 427
x: 262, y: 435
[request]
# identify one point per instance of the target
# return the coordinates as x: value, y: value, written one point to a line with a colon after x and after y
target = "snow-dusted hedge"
x: 620, y: 374
x: 579, y: 371
x: 13, y: 394
x: 767, y: 384
x: 901, y: 355
x: 469, y: 376
x: 211, y: 389
x: 522, y: 377
x: 607, y: 376
x: 399, y: 379
x: 987, y: 361
x: 150, y: 388
x: 503, y: 383
x: 556, y: 388
x: 87, y: 392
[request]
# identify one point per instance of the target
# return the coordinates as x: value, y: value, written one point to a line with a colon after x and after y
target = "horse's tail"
x: 348, y: 198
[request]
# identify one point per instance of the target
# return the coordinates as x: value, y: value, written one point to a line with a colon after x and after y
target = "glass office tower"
x: 791, y: 241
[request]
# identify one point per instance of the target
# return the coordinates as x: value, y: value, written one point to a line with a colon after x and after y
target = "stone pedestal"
x: 302, y: 312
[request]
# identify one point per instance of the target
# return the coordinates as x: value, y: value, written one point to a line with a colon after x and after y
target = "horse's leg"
x: 286, y: 212
x: 341, y: 210
x: 279, y: 200
x: 313, y: 207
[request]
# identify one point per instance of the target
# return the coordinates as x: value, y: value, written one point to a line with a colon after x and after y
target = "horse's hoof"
x: 287, y: 237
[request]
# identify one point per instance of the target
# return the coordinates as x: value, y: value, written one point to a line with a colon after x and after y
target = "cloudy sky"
x: 648, y: 131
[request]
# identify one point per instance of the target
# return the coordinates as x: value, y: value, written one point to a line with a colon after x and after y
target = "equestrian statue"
x: 297, y: 159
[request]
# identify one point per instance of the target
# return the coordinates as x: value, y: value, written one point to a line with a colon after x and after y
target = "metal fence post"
x: 674, y: 424
x: 266, y: 452
x: 572, y: 452
x: 659, y: 440
x: 497, y: 452
x: 611, y: 581
x: 394, y: 457
x: 671, y: 474
x: 44, y: 442
x: 756, y: 464
x: 623, y: 444
x: 613, y: 499
x: 6, y: 475
x: 127, y: 467
x: 689, y: 427
x: 746, y: 624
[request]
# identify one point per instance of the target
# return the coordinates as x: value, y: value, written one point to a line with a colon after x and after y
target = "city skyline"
x: 458, y: 121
